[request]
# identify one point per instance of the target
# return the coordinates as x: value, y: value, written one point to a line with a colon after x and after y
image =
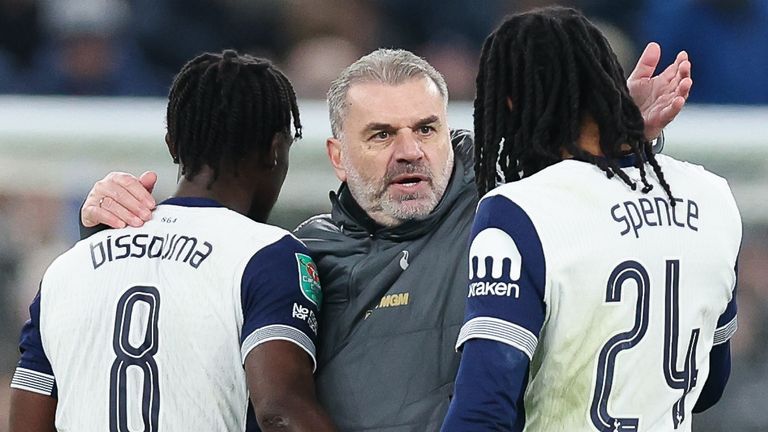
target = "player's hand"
x: 120, y: 199
x: 661, y: 97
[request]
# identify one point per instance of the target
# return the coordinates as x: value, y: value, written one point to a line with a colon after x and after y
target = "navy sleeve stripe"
x: 29, y: 380
x: 280, y: 295
x: 279, y: 332
x: 500, y: 331
x: 723, y: 334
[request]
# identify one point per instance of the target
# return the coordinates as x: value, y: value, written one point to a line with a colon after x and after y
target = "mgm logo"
x: 394, y: 300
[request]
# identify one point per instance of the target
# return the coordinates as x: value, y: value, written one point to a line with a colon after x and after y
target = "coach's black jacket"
x: 392, y: 307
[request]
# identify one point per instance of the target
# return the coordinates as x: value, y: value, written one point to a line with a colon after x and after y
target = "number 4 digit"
x: 685, y: 379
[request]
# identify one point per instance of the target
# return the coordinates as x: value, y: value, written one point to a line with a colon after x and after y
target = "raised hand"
x: 661, y: 97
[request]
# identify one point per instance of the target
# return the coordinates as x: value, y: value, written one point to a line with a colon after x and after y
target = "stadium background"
x: 82, y: 87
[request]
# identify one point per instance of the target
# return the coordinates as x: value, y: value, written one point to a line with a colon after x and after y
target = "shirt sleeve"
x: 281, y: 297
x: 33, y: 372
x: 506, y: 278
x: 719, y: 372
x: 720, y: 355
x: 489, y: 389
x: 727, y: 323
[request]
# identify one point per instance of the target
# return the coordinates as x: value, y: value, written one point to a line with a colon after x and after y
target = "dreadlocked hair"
x: 224, y: 106
x: 542, y: 73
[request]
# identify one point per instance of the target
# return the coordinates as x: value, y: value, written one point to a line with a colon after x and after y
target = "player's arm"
x: 489, y: 388
x: 504, y: 316
x: 32, y: 412
x: 282, y: 389
x: 281, y: 298
x: 660, y: 97
x: 33, y: 386
x: 118, y: 200
x: 719, y: 358
x: 720, y: 371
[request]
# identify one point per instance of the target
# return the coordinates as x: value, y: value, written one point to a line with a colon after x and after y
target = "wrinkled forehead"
x: 396, y: 104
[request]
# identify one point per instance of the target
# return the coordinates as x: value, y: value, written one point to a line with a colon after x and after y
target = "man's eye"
x: 382, y: 135
x: 426, y: 130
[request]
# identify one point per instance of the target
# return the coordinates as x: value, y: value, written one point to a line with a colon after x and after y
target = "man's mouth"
x: 409, y: 180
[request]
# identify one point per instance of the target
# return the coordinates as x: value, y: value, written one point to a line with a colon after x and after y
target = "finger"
x: 121, y: 212
x: 148, y: 180
x: 128, y: 191
x: 684, y: 68
x: 669, y: 73
x: 656, y: 113
x: 647, y: 62
x: 679, y: 69
x: 93, y: 215
x: 684, y: 88
x: 684, y: 74
x: 671, y: 111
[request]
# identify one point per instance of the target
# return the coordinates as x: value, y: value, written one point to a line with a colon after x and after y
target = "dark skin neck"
x: 229, y: 191
x: 252, y: 192
x: 589, y: 139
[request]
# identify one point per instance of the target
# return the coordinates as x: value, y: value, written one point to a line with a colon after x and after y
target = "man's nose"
x: 407, y: 146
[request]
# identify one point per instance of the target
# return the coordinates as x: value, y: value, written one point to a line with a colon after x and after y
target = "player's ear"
x: 335, y: 148
x: 172, y: 149
x: 271, y: 157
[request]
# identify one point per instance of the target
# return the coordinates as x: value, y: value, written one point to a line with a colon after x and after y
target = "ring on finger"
x: 101, y: 201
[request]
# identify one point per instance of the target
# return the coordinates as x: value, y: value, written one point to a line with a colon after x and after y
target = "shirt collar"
x: 192, y: 202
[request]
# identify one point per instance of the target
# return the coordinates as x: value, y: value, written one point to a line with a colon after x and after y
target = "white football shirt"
x: 616, y: 296
x: 148, y: 328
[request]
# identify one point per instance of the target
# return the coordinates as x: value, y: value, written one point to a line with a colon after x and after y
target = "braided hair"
x: 223, y: 106
x: 555, y: 69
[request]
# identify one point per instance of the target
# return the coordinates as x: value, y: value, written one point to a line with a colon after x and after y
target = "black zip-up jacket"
x: 392, y: 307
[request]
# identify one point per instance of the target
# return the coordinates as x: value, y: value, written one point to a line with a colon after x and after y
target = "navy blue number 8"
x: 138, y: 356
x: 622, y: 341
x: 683, y: 380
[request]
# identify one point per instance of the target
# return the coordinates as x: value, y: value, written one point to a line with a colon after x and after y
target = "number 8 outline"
x: 141, y: 356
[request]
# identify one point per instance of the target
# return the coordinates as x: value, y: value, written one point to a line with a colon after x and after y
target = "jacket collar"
x: 351, y: 218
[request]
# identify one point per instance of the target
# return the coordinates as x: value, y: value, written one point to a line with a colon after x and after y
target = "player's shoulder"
x: 690, y: 176
x: 536, y: 188
x: 518, y: 201
x: 256, y: 236
x: 690, y: 172
x: 238, y: 230
x: 318, y: 227
x: 234, y: 236
x: 65, y: 265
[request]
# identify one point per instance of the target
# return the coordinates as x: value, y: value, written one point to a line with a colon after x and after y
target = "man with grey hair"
x: 424, y: 180
x: 392, y: 253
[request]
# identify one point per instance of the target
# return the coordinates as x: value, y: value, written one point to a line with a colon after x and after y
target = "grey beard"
x: 381, y: 207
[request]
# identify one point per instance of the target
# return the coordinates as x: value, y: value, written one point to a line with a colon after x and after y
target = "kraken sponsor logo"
x: 494, y: 288
x: 494, y: 265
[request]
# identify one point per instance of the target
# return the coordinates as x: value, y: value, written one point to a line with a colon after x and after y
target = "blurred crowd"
x: 133, y: 47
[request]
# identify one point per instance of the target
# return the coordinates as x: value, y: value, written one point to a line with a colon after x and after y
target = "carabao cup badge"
x: 309, y: 279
